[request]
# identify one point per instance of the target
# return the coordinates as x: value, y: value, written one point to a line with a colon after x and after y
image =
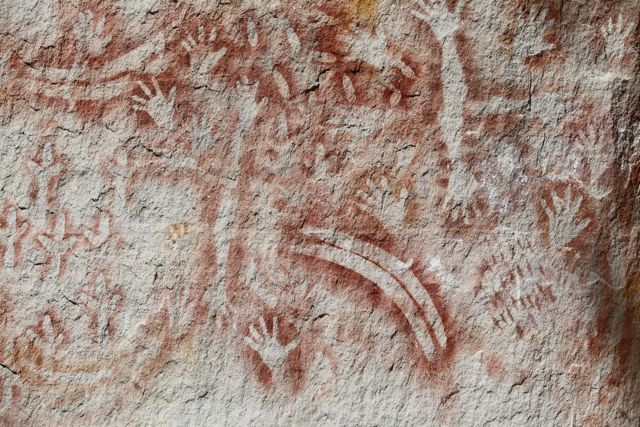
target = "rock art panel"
x: 367, y: 212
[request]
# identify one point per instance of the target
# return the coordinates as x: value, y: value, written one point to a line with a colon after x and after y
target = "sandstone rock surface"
x: 365, y: 212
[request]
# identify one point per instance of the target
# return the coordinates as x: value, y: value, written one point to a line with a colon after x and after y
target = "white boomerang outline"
x: 390, y: 274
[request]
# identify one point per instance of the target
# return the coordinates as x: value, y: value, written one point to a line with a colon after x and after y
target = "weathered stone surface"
x: 364, y: 212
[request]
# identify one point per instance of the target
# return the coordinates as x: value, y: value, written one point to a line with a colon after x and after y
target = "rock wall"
x: 364, y: 212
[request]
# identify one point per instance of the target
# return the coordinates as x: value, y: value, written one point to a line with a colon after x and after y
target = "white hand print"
x: 514, y: 268
x: 615, y: 36
x: 246, y: 104
x: 157, y: 106
x: 320, y: 170
x: 202, y: 137
x: 442, y: 22
x: 178, y: 306
x: 46, y: 168
x: 101, y: 303
x: 380, y: 202
x: 563, y: 219
x: 8, y: 236
x: 57, y: 244
x: 460, y: 200
x: 272, y: 353
x: 89, y: 34
x: 202, y: 60
x: 49, y: 342
x: 531, y: 31
x: 43, y: 172
x: 225, y: 316
x: 98, y: 238
x: 593, y: 145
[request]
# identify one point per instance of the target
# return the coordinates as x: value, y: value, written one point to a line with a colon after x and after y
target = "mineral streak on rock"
x: 366, y: 212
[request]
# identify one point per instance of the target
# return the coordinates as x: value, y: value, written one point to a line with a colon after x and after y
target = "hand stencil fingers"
x: 145, y: 89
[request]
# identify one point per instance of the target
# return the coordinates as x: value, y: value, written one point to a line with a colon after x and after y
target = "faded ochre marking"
x: 632, y: 295
x: 177, y: 231
x: 363, y: 9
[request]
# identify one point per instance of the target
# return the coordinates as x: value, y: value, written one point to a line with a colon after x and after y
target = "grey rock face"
x: 365, y: 212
